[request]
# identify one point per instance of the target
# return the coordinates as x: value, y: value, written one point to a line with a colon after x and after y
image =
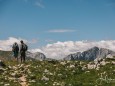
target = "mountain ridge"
x: 90, y: 54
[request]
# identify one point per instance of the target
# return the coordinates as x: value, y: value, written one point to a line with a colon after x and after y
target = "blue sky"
x: 48, y: 21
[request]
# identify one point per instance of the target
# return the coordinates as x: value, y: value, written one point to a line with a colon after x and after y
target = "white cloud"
x: 36, y: 50
x: 39, y: 4
x: 33, y: 41
x: 6, y: 45
x: 61, y: 49
x: 61, y: 31
x: 49, y: 40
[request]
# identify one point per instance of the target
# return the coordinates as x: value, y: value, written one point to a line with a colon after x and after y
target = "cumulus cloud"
x: 35, y: 50
x: 6, y: 44
x: 61, y: 31
x: 61, y: 49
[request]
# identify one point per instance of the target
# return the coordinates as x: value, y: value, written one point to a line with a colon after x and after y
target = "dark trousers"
x: 23, y: 55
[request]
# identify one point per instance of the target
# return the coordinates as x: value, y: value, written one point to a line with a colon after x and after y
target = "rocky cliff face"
x: 90, y: 54
x: 37, y: 55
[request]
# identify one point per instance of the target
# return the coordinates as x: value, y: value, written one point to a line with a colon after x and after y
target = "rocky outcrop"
x: 2, y: 64
x: 90, y: 54
x: 37, y: 55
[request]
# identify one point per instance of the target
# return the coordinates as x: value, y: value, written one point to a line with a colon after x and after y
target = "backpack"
x: 24, y: 47
x: 15, y: 47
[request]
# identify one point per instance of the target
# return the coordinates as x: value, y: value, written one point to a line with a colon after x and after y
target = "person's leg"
x: 17, y: 56
x: 21, y: 57
x: 14, y: 55
x: 24, y: 57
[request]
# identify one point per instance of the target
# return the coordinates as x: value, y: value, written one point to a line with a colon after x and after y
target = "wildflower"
x: 32, y: 81
x: 6, y: 84
x: 72, y: 66
x: 62, y: 63
x: 13, y: 74
x: 46, y: 71
x: 59, y: 74
x: 44, y: 78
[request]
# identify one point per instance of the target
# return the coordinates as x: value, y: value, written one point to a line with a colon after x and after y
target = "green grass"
x: 57, y: 74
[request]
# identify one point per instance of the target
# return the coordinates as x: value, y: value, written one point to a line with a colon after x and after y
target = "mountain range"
x: 90, y: 54
x: 59, y: 73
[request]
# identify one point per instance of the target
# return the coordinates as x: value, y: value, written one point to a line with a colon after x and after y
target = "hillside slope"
x: 58, y: 73
x: 8, y: 55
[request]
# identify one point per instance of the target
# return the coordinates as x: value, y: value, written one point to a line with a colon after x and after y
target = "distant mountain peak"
x: 37, y: 55
x: 91, y: 54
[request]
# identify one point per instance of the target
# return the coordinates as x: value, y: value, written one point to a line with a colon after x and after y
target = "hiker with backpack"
x: 23, y: 49
x: 15, y: 49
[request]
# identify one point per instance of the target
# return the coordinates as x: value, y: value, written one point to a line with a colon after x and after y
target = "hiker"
x: 15, y: 49
x: 23, y: 49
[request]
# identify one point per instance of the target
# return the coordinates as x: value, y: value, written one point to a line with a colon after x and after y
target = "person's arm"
x: 13, y: 48
x: 20, y: 47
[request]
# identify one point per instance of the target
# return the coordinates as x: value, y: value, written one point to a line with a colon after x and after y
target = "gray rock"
x: 90, y: 54
x: 37, y: 55
x: 2, y: 64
